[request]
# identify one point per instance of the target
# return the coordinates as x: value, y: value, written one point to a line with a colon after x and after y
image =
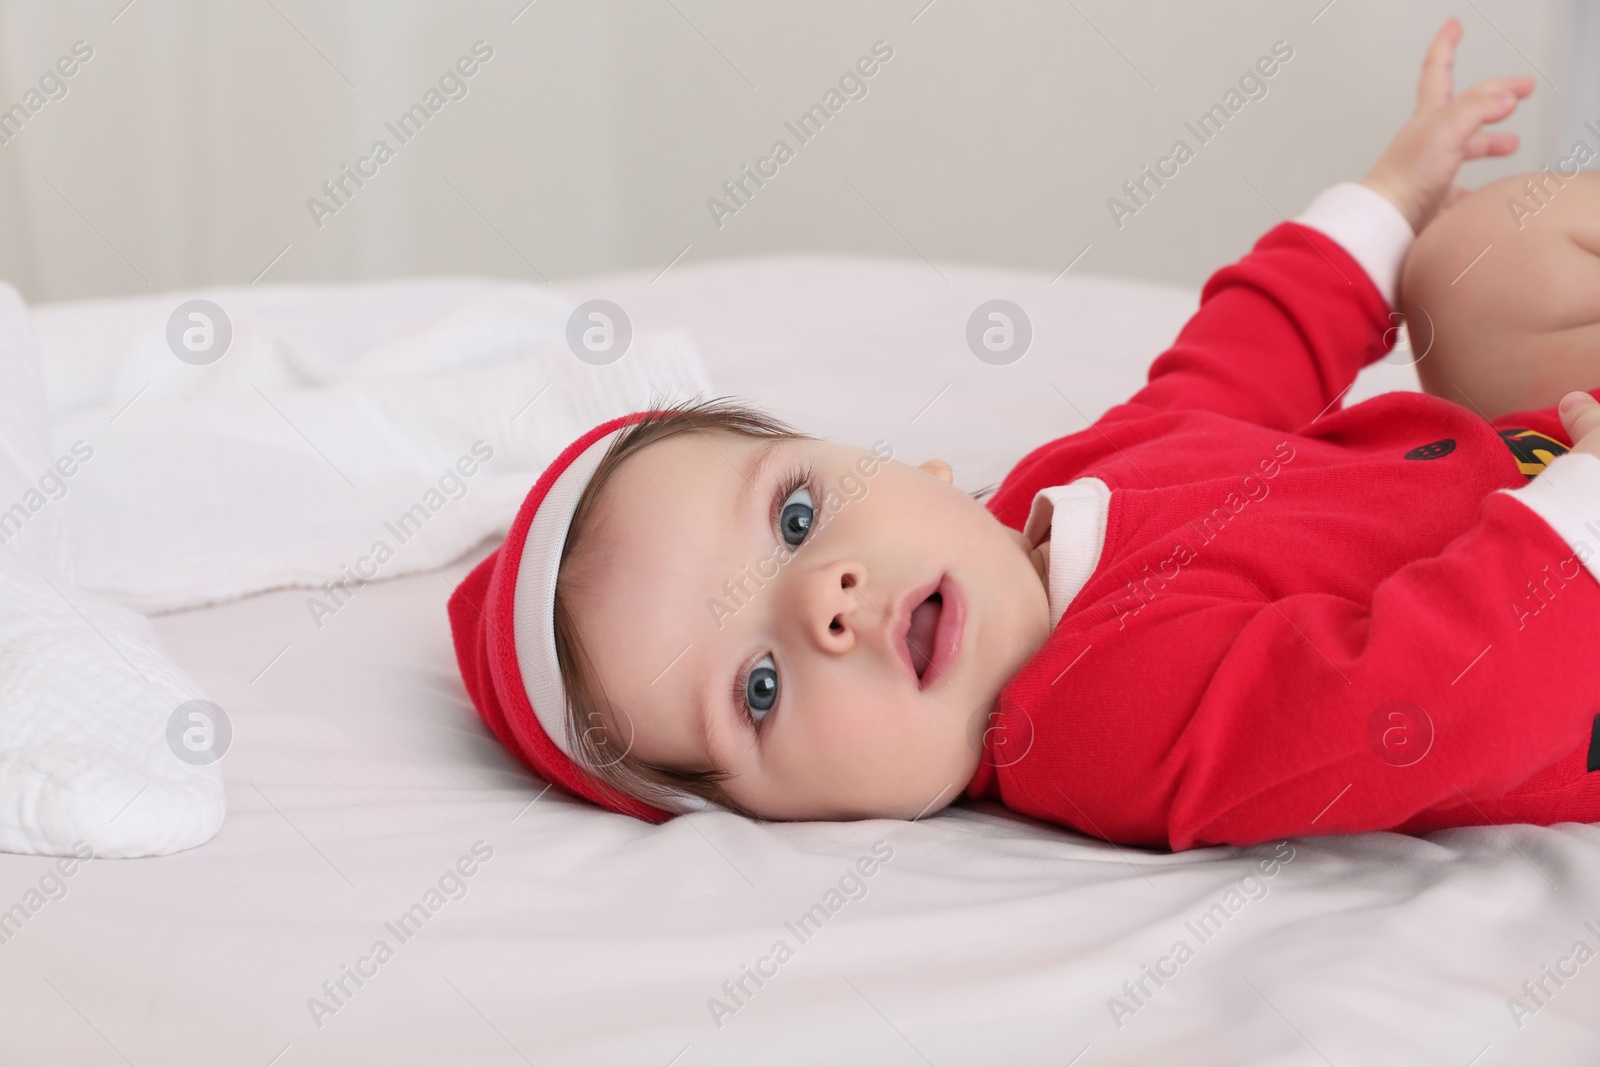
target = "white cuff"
x: 1566, y: 495
x: 1367, y: 226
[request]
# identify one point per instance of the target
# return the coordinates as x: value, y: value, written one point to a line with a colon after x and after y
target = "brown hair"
x: 591, y: 724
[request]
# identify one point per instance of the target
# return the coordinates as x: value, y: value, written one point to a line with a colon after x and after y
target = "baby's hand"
x: 1417, y: 171
x: 1580, y: 414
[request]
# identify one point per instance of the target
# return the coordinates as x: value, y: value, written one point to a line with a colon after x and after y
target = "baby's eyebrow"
x: 755, y: 468
x: 709, y: 709
x: 703, y: 713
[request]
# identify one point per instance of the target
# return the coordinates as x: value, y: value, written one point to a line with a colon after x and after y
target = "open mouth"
x: 921, y: 632
x: 931, y: 629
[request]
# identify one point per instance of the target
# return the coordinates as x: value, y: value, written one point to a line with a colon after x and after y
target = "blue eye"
x: 794, y: 520
x: 761, y: 688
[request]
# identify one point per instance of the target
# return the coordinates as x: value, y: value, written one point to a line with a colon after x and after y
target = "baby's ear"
x: 939, y: 469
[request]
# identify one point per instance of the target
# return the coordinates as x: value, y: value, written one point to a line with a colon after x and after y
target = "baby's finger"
x: 1484, y: 143
x: 1516, y: 87
x: 1438, y: 78
x: 1580, y: 414
x: 1482, y: 104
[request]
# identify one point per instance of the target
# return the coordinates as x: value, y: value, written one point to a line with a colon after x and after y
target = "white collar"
x: 1074, y: 517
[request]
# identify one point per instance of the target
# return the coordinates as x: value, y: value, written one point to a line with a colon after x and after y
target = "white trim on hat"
x: 533, y: 611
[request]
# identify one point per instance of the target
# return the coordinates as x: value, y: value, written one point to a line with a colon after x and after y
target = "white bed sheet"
x: 359, y: 774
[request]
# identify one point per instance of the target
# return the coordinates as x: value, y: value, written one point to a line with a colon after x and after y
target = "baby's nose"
x: 834, y: 604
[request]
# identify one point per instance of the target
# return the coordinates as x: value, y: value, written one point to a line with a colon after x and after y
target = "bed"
x: 367, y: 806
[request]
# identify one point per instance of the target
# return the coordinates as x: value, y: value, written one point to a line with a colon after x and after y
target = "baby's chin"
x: 1014, y: 536
x: 858, y: 811
x: 883, y: 792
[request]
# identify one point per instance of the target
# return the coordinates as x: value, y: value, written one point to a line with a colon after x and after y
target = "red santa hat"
x: 502, y: 618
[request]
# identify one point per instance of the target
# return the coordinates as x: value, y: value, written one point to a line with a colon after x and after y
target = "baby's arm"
x: 1281, y: 334
x: 1417, y: 172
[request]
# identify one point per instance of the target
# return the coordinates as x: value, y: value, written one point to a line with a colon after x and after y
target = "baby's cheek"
x: 850, y: 730
x: 841, y: 730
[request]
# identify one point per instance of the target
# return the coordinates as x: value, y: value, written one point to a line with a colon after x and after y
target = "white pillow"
x: 88, y: 700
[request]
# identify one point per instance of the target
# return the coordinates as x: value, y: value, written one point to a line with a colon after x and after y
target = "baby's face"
x: 791, y: 670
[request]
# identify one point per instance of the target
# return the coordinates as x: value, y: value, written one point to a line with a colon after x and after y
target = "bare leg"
x: 1502, y: 294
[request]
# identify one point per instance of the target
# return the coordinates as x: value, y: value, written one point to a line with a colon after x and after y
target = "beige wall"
x: 184, y: 152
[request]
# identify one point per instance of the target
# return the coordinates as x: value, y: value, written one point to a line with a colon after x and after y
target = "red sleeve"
x: 1297, y: 730
x: 1279, y: 336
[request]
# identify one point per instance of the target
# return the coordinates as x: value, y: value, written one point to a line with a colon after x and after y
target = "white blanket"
x: 169, y: 485
x: 86, y: 694
x: 291, y: 464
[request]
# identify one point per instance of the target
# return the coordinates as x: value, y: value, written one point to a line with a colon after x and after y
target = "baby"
x: 1227, y: 612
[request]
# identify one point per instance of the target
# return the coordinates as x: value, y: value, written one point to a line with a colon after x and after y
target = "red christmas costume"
x: 1305, y: 619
